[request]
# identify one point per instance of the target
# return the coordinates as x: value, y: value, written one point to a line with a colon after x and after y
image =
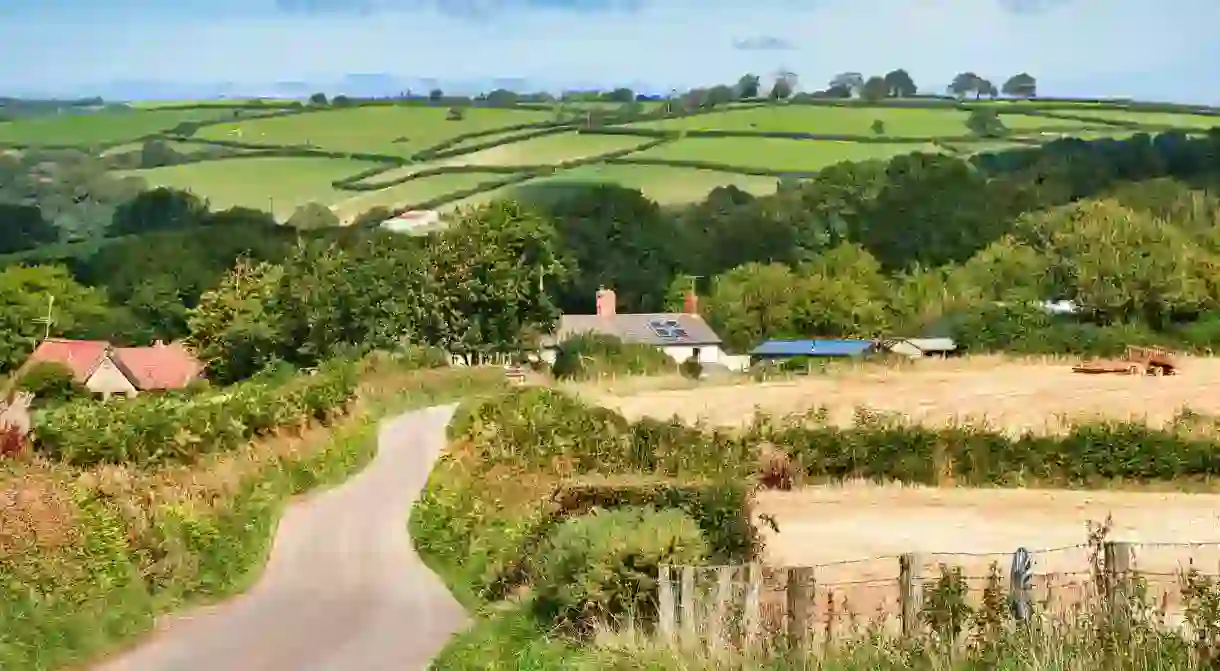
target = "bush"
x: 51, y: 381
x: 605, y: 565
x: 590, y: 355
x: 155, y: 428
x: 691, y: 368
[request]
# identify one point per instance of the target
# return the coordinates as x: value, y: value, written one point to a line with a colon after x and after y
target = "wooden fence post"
x: 1020, y: 585
x: 1116, y: 558
x: 716, y: 624
x: 750, y: 625
x: 665, y: 606
x: 909, y: 567
x: 689, y: 619
x: 800, y: 595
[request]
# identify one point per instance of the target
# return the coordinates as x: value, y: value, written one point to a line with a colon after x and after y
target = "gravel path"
x: 343, y: 589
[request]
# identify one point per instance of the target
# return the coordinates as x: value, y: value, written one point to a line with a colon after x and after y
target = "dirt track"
x: 343, y: 590
x: 1003, y: 393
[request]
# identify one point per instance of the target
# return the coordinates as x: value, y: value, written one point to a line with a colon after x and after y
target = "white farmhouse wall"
x: 707, y: 353
x: 108, y: 379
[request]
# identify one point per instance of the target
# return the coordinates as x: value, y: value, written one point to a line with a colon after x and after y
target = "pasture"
x: 102, y: 128
x: 778, y: 153
x: 414, y: 191
x: 383, y: 129
x: 275, y: 184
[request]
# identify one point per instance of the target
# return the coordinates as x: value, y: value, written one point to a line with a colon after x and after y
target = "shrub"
x: 605, y: 565
x: 589, y: 355
x: 691, y: 368
x: 51, y: 381
x: 154, y: 428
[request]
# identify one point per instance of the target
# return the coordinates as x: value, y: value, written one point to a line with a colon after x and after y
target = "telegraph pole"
x: 48, y: 320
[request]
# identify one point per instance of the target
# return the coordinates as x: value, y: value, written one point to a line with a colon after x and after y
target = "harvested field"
x: 972, y: 528
x: 1004, y: 394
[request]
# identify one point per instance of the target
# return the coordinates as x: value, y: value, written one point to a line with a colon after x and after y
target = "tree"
x: 984, y: 87
x: 435, y: 95
x: 1021, y: 85
x: 313, y: 216
x: 236, y: 329
x: 341, y: 101
x: 22, y: 227
x: 964, y: 83
x: 878, y: 127
x: 781, y: 89
x: 374, y: 216
x: 874, y: 89
x: 621, y: 95
x: 161, y: 209
x: 317, y: 99
x: 491, y: 267
x: 752, y: 303
x: 851, y: 81
x: 985, y: 122
x: 77, y: 311
x: 898, y: 84
x: 51, y: 381
x: 747, y: 86
x: 720, y: 95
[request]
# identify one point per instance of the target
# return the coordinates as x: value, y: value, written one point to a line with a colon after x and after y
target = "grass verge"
x: 89, y: 559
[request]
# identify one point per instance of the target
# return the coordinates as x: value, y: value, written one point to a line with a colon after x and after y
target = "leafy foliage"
x: 604, y: 565
x: 154, y: 428
x: 590, y: 355
x: 51, y: 382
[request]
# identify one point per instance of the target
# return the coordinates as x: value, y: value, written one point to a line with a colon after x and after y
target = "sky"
x: 1159, y: 50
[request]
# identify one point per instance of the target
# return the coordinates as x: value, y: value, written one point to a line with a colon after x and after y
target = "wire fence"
x: 886, y: 590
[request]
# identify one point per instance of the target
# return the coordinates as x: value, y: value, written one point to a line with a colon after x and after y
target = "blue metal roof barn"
x: 829, y: 348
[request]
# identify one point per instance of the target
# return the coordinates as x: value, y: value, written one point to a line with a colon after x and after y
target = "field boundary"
x: 696, y: 603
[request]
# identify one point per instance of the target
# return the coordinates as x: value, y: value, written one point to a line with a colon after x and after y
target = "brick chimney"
x: 690, y: 305
x: 605, y: 302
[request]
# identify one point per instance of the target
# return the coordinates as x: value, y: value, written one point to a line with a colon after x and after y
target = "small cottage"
x: 681, y: 335
x: 107, y: 370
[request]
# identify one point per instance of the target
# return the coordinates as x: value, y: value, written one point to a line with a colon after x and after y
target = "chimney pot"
x: 691, y: 303
x: 158, y: 343
x: 606, y: 302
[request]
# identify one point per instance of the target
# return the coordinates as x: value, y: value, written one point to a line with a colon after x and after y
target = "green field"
x: 267, y: 183
x: 351, y: 205
x: 664, y: 184
x: 777, y: 154
x: 403, y: 131
x: 103, y: 128
x: 847, y: 121
x: 382, y: 129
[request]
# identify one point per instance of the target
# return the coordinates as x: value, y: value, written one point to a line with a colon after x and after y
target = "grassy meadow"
x: 487, y: 140
x: 383, y: 129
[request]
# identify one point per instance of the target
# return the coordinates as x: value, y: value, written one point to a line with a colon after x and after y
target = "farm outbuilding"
x: 775, y: 350
x: 107, y: 370
x: 916, y: 348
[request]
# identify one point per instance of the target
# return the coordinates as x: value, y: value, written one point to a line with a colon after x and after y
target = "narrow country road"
x: 343, y: 589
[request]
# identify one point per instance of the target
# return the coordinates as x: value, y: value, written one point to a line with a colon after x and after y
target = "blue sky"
x: 1138, y: 48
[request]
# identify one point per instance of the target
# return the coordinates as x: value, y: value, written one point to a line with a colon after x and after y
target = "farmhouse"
x: 107, y: 370
x: 680, y: 335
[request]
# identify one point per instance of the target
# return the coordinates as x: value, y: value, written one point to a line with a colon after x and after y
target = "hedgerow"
x: 155, y: 428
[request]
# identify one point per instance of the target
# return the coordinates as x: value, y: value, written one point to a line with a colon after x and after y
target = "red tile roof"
x: 158, y: 367
x: 82, y: 357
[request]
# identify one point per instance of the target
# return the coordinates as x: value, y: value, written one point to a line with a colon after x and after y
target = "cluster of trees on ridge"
x: 913, y: 245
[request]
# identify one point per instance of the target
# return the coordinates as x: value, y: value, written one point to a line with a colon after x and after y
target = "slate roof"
x: 813, y: 348
x: 634, y: 329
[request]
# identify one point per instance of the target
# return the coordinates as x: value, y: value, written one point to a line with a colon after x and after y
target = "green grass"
x: 88, y: 130
x: 376, y: 130
x: 777, y: 154
x: 224, y: 102
x: 826, y: 120
x: 1150, y: 118
x: 664, y: 184
x: 275, y: 183
x: 412, y: 192
x: 550, y: 149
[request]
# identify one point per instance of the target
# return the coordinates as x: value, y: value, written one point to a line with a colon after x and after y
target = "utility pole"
x: 48, y: 320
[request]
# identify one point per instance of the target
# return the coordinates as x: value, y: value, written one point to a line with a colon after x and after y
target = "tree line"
x: 919, y: 244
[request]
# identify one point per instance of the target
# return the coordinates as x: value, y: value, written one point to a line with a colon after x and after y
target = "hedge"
x: 438, y: 150
x: 347, y: 185
x: 178, y: 427
x: 711, y: 165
